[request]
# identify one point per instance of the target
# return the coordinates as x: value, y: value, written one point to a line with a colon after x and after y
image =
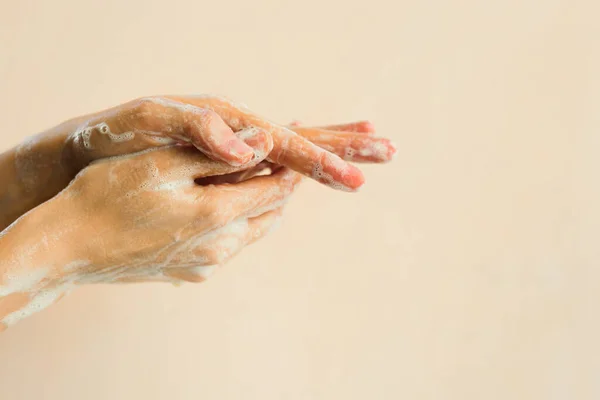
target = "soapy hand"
x: 139, y: 217
x: 150, y: 206
x: 211, y: 123
x: 353, y: 141
x: 44, y: 164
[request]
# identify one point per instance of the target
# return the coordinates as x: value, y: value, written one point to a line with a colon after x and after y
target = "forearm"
x: 32, y: 257
x: 32, y: 173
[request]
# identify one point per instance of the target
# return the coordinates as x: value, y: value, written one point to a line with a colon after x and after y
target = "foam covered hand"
x: 139, y: 217
x: 44, y: 164
x: 210, y: 124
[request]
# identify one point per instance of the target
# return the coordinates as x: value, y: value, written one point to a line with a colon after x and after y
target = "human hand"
x: 137, y: 218
x: 43, y: 165
x: 209, y: 123
x: 355, y: 141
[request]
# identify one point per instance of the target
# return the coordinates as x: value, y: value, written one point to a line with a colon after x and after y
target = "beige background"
x: 465, y: 269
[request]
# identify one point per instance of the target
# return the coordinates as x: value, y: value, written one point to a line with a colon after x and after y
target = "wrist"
x: 36, y: 249
x: 33, y: 261
x: 32, y: 173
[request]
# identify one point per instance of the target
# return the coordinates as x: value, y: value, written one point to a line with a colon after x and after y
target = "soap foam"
x: 38, y: 302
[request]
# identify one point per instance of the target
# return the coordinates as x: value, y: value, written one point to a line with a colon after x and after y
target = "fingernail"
x: 241, y: 150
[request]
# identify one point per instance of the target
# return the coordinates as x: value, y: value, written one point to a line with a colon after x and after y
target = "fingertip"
x: 365, y: 127
x: 339, y: 174
x: 354, y: 179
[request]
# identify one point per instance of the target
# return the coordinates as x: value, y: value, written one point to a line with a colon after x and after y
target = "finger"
x: 350, y: 146
x: 106, y: 137
x: 289, y: 149
x: 259, y: 140
x: 186, y: 163
x: 249, y: 198
x: 301, y: 155
x: 365, y: 127
x: 257, y: 228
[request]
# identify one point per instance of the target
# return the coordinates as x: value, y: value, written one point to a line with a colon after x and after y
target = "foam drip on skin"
x: 84, y: 134
x: 23, y: 282
x: 41, y: 300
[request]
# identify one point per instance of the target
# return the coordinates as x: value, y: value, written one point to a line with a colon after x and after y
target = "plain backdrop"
x: 465, y: 269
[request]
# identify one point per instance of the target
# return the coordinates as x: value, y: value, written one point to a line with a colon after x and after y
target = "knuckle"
x: 205, y: 118
x: 144, y: 108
